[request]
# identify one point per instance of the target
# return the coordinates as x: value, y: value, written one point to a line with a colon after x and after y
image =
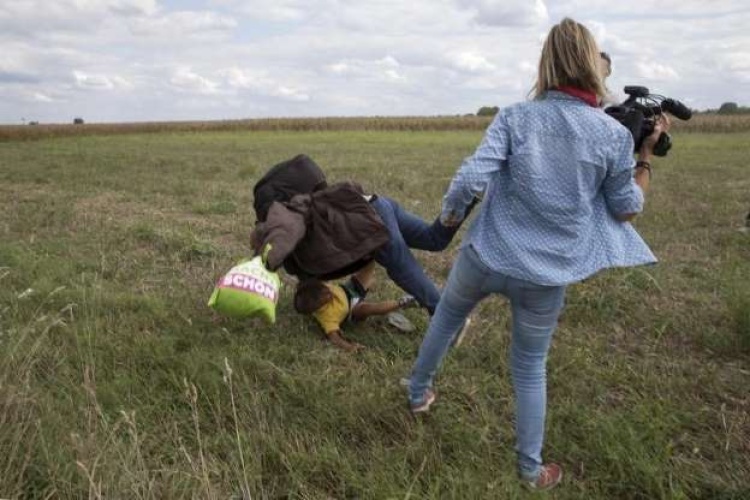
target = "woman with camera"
x: 560, y: 184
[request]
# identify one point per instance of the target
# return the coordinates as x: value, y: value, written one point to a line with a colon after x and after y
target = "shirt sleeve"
x: 476, y: 170
x: 622, y: 194
x: 331, y: 315
x: 327, y: 321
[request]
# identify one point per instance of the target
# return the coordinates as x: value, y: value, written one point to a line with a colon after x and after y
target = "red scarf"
x: 586, y: 96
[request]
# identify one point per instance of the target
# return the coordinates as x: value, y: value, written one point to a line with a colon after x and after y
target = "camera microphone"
x: 676, y: 108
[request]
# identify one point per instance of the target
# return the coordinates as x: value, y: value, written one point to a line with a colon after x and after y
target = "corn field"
x: 700, y: 123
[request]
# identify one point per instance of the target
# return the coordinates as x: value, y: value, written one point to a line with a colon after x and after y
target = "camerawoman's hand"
x: 643, y: 165
x: 647, y: 147
x: 450, y: 219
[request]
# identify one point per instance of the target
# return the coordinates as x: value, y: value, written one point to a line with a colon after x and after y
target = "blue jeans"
x: 535, y: 309
x: 409, y: 231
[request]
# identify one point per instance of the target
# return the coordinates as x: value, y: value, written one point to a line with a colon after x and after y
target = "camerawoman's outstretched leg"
x: 464, y: 290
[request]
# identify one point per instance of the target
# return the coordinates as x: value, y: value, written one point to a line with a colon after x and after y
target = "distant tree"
x: 33, y: 123
x: 488, y: 111
x: 77, y: 121
x: 728, y: 108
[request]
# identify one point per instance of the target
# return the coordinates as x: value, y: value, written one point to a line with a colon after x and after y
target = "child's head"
x: 605, y: 65
x: 311, y: 295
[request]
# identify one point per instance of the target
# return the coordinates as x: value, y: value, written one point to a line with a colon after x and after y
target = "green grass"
x: 117, y: 381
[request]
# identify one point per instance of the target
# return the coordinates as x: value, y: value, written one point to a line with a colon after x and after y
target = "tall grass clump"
x: 25, y: 358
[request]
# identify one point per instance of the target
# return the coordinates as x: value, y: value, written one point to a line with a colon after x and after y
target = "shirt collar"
x: 586, y: 96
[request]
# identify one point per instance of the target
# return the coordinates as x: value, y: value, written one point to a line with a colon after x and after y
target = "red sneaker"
x: 549, y: 477
x: 424, y: 406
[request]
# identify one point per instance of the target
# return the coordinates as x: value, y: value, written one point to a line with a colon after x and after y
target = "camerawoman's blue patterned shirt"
x: 555, y: 172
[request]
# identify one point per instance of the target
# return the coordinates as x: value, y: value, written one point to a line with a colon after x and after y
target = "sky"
x: 163, y: 60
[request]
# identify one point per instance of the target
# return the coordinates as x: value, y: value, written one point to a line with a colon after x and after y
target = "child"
x: 605, y: 69
x: 332, y: 304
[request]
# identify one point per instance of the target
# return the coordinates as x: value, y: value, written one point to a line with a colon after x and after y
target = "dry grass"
x: 265, y: 124
x: 117, y: 382
x: 699, y: 123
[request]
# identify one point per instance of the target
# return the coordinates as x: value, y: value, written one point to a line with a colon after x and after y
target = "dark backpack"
x: 300, y: 175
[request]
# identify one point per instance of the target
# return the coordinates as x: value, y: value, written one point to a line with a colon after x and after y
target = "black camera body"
x: 639, y: 112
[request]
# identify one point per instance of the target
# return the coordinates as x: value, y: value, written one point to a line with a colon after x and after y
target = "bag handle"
x: 264, y: 255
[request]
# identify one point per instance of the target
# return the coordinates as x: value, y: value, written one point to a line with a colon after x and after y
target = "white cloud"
x: 29, y: 17
x: 649, y: 9
x: 735, y: 63
x: 181, y: 24
x: 507, y: 12
x: 290, y: 93
x: 472, y: 62
x: 273, y: 10
x: 144, y: 59
x: 386, y: 69
x: 186, y: 80
x: 339, y: 68
x: 132, y: 7
x: 656, y: 71
x: 92, y: 82
x: 38, y: 96
x: 258, y: 82
x: 243, y: 79
x: 527, y: 67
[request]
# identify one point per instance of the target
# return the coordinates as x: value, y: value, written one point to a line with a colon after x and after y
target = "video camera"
x: 639, y: 112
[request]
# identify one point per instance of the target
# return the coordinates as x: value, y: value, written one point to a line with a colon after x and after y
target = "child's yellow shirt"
x: 334, y: 313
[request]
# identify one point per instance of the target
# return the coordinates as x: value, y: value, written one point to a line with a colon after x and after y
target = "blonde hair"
x: 570, y: 56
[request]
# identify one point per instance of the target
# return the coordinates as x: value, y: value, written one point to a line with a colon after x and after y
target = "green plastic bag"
x: 248, y: 289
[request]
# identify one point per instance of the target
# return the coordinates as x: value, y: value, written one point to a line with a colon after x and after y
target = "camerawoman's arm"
x: 476, y: 171
x: 622, y: 203
x: 643, y: 166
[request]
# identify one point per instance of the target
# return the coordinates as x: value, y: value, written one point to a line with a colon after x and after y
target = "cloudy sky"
x: 142, y: 60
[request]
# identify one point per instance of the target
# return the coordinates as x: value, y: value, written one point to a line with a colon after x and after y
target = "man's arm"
x: 282, y: 231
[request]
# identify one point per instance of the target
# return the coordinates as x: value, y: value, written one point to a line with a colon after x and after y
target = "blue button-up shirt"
x: 554, y: 172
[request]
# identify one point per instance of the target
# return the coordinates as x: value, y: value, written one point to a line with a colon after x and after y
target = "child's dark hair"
x: 311, y: 295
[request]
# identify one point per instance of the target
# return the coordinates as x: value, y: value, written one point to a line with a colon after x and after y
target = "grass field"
x: 116, y: 381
